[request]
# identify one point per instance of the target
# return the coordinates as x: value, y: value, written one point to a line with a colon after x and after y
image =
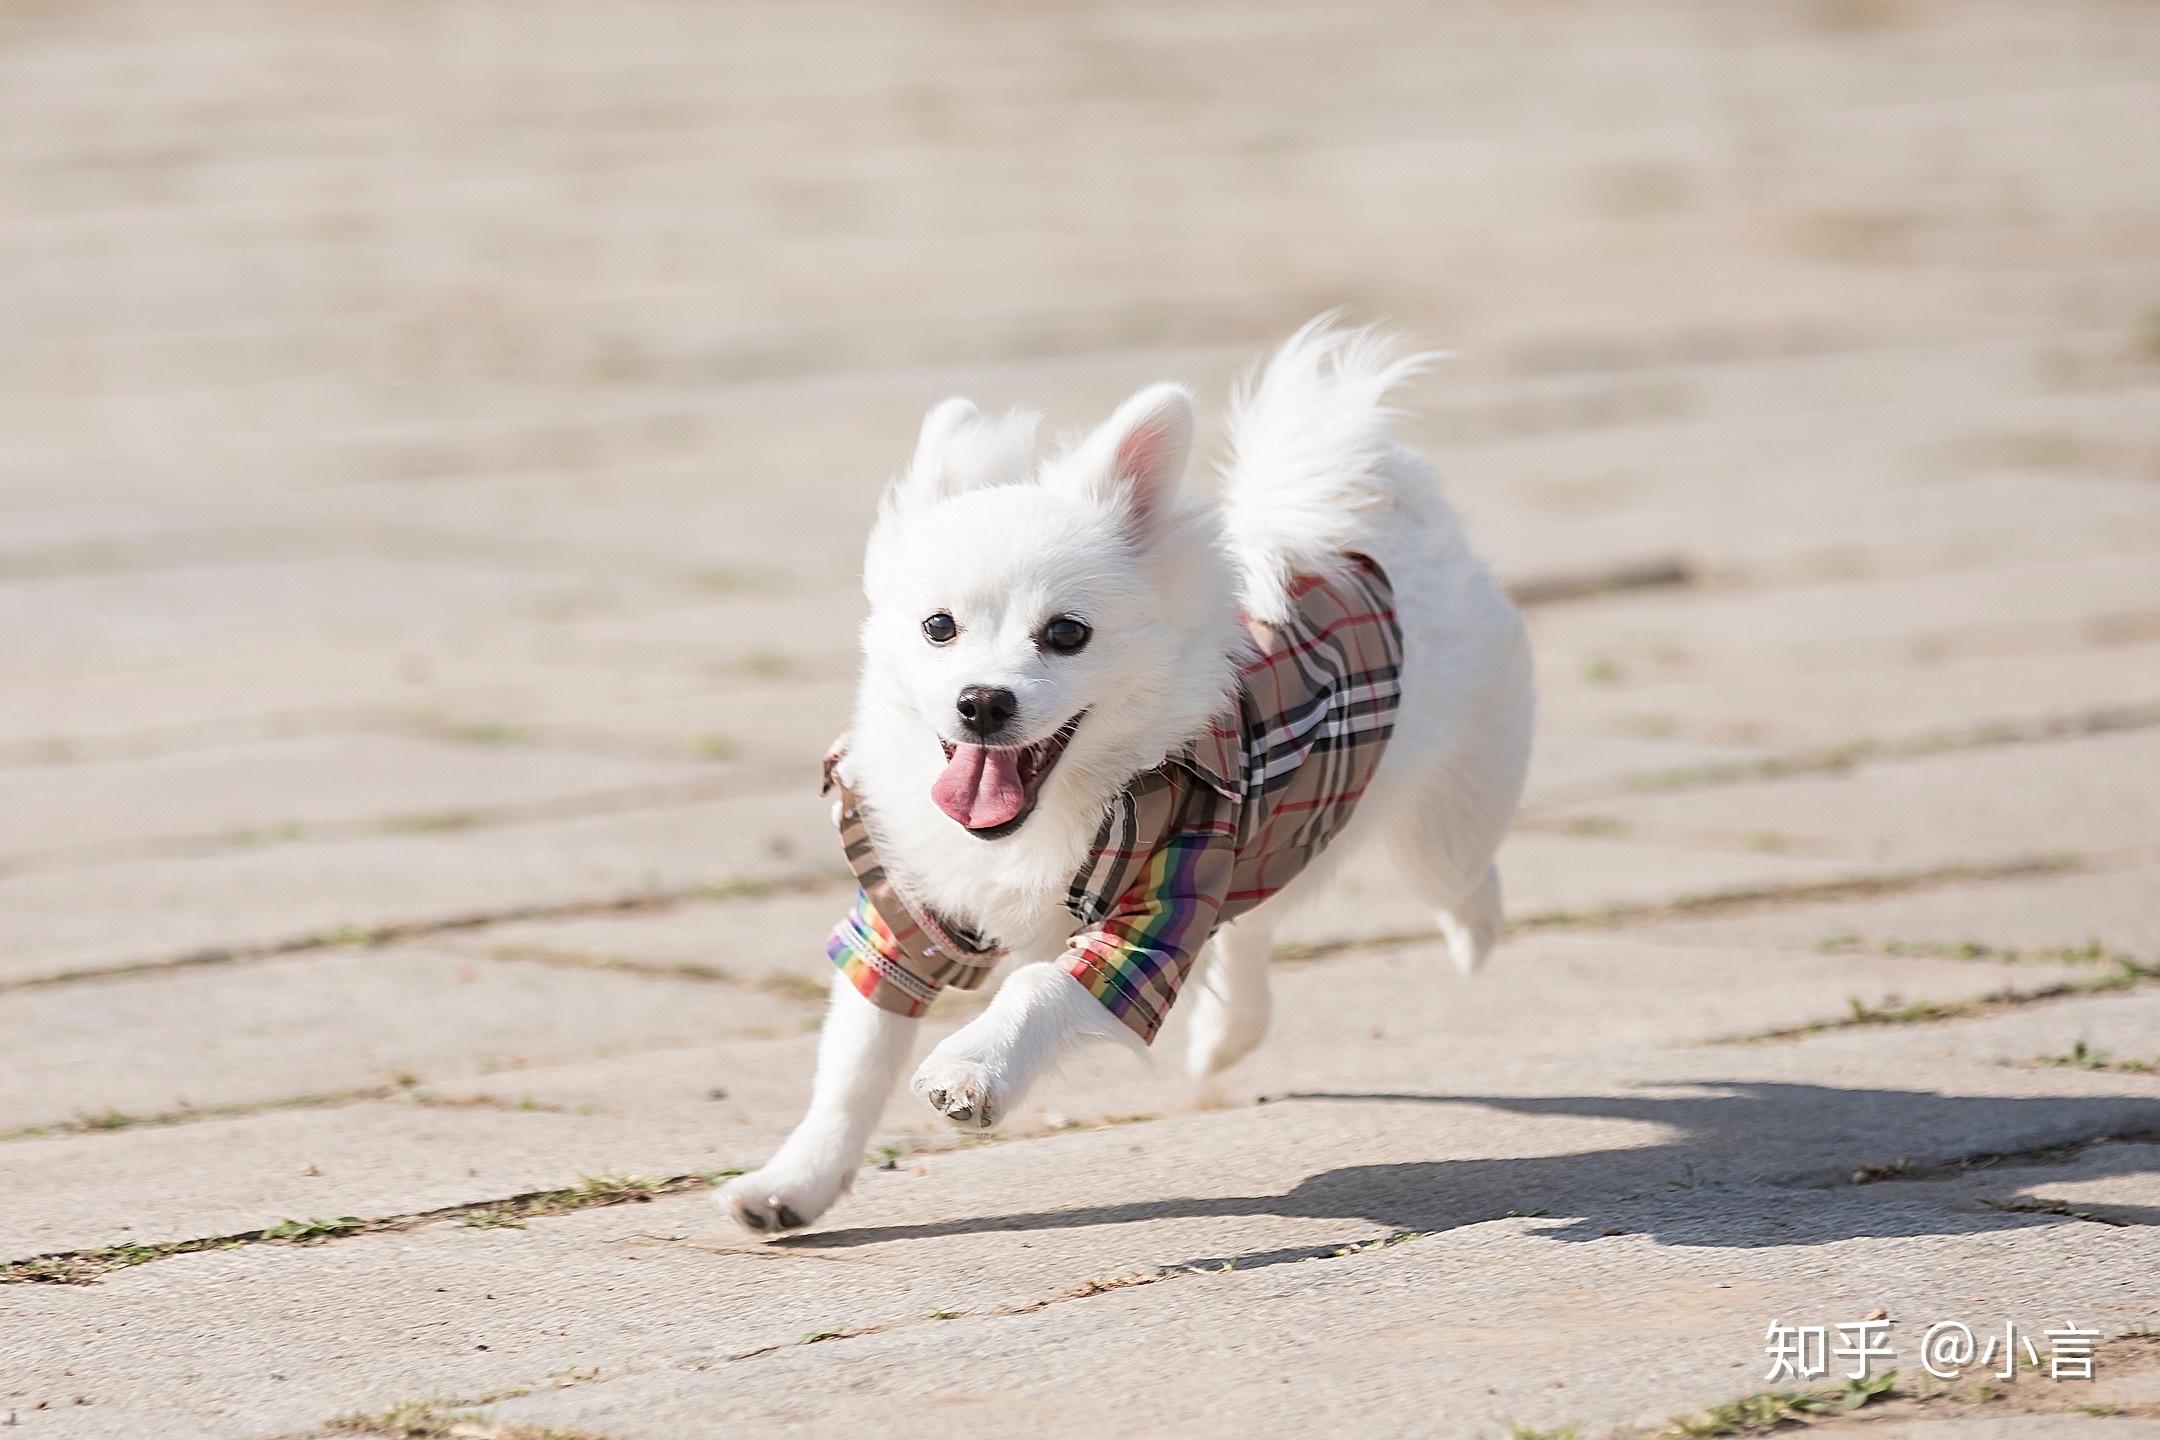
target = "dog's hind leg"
x: 1451, y: 869
x: 1472, y: 925
x: 1230, y: 1000
x: 861, y: 1052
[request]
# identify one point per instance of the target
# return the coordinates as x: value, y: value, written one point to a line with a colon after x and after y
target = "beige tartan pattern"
x: 933, y: 954
x: 1212, y: 832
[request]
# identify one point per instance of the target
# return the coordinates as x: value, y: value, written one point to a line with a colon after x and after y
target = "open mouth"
x: 991, y: 789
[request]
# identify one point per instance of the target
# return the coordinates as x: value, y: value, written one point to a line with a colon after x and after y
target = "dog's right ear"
x: 961, y: 449
x: 945, y: 421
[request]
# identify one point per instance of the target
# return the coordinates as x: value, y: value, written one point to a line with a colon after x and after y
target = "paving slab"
x: 2106, y: 1184
x: 2123, y: 1189
x: 1620, y: 1331
x: 774, y: 709
x: 521, y: 1034
x: 779, y: 938
x: 489, y: 681
x: 805, y: 630
x: 530, y: 373
x: 1395, y: 1021
x: 1277, y: 1183
x: 1541, y: 504
x: 1548, y: 996
x: 2118, y: 908
x: 2112, y: 1026
x: 66, y: 706
x: 1895, y: 512
x: 1874, y: 705
x: 2075, y: 1424
x: 332, y: 1021
x: 734, y: 673
x: 1567, y: 765
x: 130, y: 612
x: 2097, y: 796
x: 455, y: 1138
x: 132, y: 912
x: 372, y: 1159
x: 1838, y: 625
x: 772, y: 939
x: 1549, y: 875
x: 244, y: 793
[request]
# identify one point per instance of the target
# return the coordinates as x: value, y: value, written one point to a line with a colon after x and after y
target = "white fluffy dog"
x: 1046, y: 633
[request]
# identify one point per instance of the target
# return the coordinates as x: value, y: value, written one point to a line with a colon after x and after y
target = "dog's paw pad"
x: 762, y: 1208
x: 961, y: 1092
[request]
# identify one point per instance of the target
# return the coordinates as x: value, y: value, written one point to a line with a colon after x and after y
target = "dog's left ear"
x: 1140, y: 453
x: 962, y: 449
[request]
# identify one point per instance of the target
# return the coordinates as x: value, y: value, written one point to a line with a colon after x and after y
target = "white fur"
x: 1108, y: 530
x: 861, y: 1053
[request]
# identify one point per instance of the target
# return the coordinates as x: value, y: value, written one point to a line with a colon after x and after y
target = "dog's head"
x: 1051, y: 626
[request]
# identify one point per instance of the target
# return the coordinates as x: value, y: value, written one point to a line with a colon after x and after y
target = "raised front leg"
x: 977, y: 1075
x: 861, y: 1052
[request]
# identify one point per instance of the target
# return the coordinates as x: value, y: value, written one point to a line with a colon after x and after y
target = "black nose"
x: 984, y: 710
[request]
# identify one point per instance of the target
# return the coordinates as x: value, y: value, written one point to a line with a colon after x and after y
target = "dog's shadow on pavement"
x: 1746, y: 1168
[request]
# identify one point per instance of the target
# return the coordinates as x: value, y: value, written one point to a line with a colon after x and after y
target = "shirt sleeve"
x: 872, y: 959
x: 1137, y: 955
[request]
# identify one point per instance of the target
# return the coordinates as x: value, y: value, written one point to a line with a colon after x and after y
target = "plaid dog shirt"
x: 1202, y: 838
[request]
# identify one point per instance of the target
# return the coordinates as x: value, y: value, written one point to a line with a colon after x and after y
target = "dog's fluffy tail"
x: 1314, y: 468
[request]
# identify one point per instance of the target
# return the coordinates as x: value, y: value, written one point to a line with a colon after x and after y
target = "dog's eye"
x: 939, y: 628
x: 1066, y: 635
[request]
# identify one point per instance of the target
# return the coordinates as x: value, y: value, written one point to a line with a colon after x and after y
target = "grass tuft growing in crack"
x: 1378, y: 1242
x: 2034, y: 1205
x: 646, y: 900
x: 312, y: 1232
x: 1917, y: 1012
x: 1742, y: 900
x: 448, y: 1420
x: 401, y: 1088
x: 1848, y: 942
x: 1751, y: 898
x: 2124, y: 974
x: 1775, y: 1409
x: 82, y: 1267
x: 794, y: 987
x: 2081, y: 1056
x: 1838, y: 759
x: 1905, y: 1168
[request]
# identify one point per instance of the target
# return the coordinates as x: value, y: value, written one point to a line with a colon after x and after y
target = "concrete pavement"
x: 434, y: 447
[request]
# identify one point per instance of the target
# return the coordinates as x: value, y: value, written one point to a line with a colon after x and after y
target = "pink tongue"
x: 980, y: 788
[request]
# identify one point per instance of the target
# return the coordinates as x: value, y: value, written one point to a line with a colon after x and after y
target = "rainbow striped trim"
x: 864, y: 948
x: 1134, y: 961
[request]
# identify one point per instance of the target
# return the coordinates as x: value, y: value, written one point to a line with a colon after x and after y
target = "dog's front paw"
x: 776, y: 1199
x: 962, y: 1091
